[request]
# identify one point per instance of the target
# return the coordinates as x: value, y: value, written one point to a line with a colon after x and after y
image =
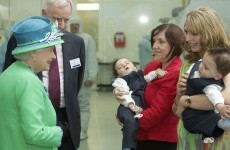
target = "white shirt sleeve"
x: 150, y: 76
x: 214, y: 95
x: 119, y: 82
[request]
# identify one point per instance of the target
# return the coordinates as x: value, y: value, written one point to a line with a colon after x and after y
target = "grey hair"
x: 22, y: 56
x: 60, y: 3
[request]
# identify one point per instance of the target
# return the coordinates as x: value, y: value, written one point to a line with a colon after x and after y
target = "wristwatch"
x: 188, y: 101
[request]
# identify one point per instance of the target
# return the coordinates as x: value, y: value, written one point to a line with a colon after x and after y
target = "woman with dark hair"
x: 158, y: 126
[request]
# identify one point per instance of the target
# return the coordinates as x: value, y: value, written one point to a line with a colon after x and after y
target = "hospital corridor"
x: 93, y: 35
x: 104, y: 132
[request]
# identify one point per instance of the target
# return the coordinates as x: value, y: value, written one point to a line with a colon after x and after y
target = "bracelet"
x: 188, y: 101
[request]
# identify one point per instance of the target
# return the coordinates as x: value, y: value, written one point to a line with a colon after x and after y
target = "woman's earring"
x: 34, y: 58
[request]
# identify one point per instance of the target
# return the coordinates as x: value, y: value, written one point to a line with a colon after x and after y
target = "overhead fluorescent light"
x: 143, y: 19
x: 88, y: 6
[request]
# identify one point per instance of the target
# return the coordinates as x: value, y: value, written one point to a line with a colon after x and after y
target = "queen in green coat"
x: 28, y: 119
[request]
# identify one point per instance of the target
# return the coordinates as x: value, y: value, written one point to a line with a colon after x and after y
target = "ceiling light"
x: 143, y: 19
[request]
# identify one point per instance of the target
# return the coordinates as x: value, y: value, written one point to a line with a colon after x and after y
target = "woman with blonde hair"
x: 204, y: 29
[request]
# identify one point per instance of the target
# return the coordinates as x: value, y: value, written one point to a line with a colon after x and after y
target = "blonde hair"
x: 208, y: 23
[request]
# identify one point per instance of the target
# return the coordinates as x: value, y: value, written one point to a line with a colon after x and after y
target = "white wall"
x: 114, y: 16
x: 122, y: 15
x: 21, y: 9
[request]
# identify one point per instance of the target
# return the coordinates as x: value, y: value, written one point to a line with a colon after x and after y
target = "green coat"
x: 28, y: 119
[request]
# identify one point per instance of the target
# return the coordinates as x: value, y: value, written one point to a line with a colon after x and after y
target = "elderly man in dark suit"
x: 69, y: 68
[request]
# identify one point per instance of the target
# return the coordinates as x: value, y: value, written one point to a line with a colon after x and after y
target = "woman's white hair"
x: 22, y: 56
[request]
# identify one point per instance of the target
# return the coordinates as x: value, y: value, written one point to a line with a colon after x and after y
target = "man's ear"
x: 218, y: 76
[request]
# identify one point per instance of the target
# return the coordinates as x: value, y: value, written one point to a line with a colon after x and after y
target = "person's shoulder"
x: 72, y: 36
x: 23, y: 74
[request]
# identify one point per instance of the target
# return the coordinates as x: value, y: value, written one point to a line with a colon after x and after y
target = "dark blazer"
x: 9, y: 58
x: 72, y: 48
